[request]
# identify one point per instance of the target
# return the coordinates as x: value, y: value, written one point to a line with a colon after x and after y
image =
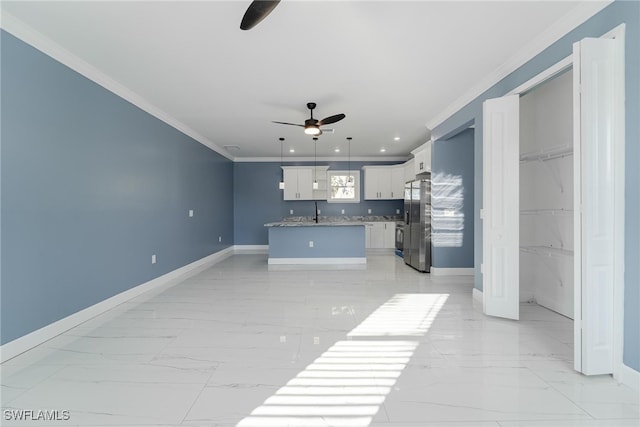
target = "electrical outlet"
x: 190, y: 213
x: 397, y: 211
x: 153, y: 259
x: 342, y: 211
x: 318, y: 211
x: 316, y: 340
x: 219, y: 238
x: 369, y: 211
x: 291, y: 212
x: 310, y: 243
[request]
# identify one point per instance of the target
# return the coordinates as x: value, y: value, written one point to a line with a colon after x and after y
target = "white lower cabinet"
x: 380, y: 235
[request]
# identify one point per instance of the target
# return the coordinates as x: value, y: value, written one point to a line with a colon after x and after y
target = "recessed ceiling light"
x: 382, y: 150
x: 291, y: 150
x: 397, y: 138
x: 337, y: 150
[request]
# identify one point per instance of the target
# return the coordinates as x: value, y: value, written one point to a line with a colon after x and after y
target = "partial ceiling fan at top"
x: 312, y: 126
x: 256, y: 12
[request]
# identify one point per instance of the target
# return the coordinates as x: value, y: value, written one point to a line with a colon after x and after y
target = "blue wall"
x: 92, y: 186
x: 453, y: 191
x: 613, y: 15
x: 345, y: 241
x: 257, y: 200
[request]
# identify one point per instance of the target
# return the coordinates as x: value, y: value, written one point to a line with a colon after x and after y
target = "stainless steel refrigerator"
x: 417, y: 223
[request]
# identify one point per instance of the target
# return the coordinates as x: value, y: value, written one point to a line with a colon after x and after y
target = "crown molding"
x: 556, y: 31
x: 321, y: 159
x: 39, y: 41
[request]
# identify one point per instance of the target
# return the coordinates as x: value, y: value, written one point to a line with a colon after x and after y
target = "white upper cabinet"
x: 397, y: 182
x: 409, y: 170
x: 384, y: 182
x: 298, y: 182
x: 422, y: 158
x: 377, y: 182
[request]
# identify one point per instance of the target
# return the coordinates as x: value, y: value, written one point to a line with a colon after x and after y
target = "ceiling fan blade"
x: 256, y: 12
x: 285, y: 123
x: 331, y: 119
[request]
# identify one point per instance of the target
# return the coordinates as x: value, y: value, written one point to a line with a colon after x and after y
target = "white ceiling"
x: 392, y: 67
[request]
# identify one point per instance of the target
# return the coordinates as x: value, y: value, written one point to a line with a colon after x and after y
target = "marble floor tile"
x: 246, y: 344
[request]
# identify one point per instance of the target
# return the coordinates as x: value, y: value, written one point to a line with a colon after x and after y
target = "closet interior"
x: 546, y: 195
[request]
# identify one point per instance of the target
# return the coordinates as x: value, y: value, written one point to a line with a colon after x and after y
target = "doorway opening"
x: 546, y: 195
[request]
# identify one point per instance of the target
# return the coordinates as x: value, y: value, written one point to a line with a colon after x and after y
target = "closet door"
x: 501, y: 207
x: 599, y: 228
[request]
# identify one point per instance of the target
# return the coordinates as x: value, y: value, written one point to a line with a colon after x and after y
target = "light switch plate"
x: 153, y: 259
x: 291, y: 212
x: 190, y: 213
x: 369, y: 211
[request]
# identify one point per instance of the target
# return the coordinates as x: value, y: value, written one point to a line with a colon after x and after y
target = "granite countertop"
x: 306, y: 221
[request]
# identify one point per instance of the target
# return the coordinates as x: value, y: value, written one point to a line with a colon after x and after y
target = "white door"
x: 501, y: 211
x: 598, y: 64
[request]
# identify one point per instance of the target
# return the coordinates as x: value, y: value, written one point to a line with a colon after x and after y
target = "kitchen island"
x: 324, y: 242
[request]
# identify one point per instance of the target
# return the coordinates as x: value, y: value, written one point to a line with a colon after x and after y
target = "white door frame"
x: 618, y: 285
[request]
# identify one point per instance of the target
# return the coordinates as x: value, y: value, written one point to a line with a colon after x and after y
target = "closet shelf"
x: 547, y: 251
x: 552, y: 212
x: 547, y: 153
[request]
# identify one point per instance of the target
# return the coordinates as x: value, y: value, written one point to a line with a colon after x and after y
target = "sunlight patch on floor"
x: 346, y: 385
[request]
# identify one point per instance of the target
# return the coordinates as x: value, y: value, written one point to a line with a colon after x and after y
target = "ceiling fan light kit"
x: 312, y: 130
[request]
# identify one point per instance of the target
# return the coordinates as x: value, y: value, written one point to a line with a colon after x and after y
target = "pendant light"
x: 281, y: 183
x: 349, y: 178
x: 315, y: 163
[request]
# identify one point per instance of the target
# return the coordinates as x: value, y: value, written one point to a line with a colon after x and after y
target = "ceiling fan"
x: 256, y: 12
x: 312, y: 126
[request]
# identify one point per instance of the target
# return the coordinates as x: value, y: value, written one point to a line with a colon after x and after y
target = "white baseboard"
x: 477, y: 295
x: 439, y: 271
x: 629, y: 377
x: 317, y: 261
x: 251, y: 249
x: 39, y: 336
